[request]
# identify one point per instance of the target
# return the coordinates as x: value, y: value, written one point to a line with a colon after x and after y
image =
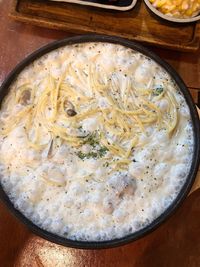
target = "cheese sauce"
x: 96, y: 141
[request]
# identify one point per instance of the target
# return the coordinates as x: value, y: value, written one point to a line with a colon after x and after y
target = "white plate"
x: 121, y: 5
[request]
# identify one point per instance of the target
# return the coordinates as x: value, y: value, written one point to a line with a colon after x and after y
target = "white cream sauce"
x: 81, y: 200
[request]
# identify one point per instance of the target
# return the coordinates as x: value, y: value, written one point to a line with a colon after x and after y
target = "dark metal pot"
x: 195, y: 160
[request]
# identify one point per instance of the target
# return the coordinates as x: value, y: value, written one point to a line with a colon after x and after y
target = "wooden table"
x: 176, y: 243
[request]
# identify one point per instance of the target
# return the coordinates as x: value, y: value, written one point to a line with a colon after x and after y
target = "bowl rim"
x: 168, y: 18
x: 104, y: 6
x: 4, y: 89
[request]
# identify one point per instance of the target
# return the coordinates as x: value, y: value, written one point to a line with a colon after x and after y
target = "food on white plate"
x: 178, y: 8
x: 96, y: 141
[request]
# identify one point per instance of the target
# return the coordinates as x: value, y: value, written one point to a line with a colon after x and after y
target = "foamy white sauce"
x: 98, y: 208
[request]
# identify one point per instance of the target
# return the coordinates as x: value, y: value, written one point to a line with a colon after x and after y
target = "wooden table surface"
x: 176, y: 243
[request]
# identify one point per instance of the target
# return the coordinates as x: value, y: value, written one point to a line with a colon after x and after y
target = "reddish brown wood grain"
x: 176, y: 243
x: 19, y: 39
x: 136, y: 24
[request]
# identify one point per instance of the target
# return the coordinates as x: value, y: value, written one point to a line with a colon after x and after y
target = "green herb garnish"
x: 91, y: 139
x: 93, y: 154
x: 157, y: 91
x: 81, y: 155
x: 102, y: 151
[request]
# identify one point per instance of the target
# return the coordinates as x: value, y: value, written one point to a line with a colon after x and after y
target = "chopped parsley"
x: 88, y: 155
x: 93, y: 154
x: 102, y: 151
x: 91, y: 139
x: 157, y: 91
x: 98, y: 151
x: 81, y: 155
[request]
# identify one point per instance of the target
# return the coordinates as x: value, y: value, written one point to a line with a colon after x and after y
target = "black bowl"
x: 195, y: 160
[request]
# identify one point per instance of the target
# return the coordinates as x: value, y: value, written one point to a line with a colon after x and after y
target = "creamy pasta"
x: 96, y: 141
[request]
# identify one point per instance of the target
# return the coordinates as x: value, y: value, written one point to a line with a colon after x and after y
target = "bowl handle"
x: 196, y: 184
